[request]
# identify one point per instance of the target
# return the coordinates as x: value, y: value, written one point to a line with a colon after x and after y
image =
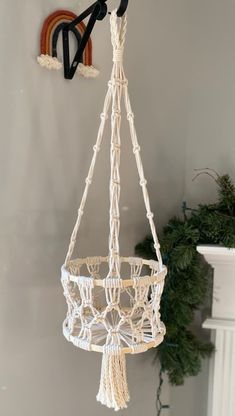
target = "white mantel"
x: 221, y: 400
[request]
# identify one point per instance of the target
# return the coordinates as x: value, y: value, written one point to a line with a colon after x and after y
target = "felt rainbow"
x: 49, y: 36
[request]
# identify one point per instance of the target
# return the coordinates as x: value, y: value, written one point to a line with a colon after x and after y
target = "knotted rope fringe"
x: 113, y: 391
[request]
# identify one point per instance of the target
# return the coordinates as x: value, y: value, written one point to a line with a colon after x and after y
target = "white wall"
x: 210, y: 132
x: 211, y: 94
x: 180, y: 63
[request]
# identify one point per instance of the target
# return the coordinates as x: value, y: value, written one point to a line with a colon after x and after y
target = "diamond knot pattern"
x: 104, y: 314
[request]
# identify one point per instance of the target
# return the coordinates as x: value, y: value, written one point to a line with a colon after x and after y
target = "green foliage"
x: 188, y: 281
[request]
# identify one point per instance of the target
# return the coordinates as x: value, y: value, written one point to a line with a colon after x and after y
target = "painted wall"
x: 180, y: 62
x: 210, y: 132
x: 211, y: 94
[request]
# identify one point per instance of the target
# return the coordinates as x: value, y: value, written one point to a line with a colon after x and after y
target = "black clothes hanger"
x: 122, y: 8
x: 97, y: 11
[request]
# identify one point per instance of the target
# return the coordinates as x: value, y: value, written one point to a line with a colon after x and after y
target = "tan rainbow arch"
x: 49, y: 26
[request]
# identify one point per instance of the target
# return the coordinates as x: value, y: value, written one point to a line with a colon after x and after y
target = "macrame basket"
x: 113, y: 302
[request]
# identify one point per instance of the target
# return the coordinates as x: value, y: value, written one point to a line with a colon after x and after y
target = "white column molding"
x: 221, y: 398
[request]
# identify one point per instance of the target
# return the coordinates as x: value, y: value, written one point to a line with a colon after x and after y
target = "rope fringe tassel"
x: 113, y: 391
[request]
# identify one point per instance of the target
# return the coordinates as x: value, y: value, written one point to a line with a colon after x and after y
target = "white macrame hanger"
x: 137, y: 327
x: 117, y: 87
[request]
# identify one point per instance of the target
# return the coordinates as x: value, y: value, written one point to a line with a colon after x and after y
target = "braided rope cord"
x: 117, y: 88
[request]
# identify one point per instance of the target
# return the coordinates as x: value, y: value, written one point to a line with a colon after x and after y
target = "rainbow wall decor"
x: 48, y: 43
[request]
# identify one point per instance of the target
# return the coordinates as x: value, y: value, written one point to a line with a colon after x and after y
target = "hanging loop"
x: 103, y: 9
x: 122, y: 8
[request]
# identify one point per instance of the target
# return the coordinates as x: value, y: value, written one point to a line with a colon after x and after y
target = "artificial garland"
x: 188, y: 280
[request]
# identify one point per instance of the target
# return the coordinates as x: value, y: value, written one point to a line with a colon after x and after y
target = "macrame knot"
x: 98, y: 319
x: 113, y: 334
x: 116, y: 218
x: 130, y: 116
x: 96, y: 148
x: 143, y: 182
x: 138, y: 348
x: 116, y: 146
x: 116, y: 114
x: 88, y: 181
x: 110, y: 283
x: 117, y: 82
x: 112, y: 304
x: 87, y: 303
x: 136, y: 149
x: 157, y: 246
x: 118, y: 55
x: 103, y: 116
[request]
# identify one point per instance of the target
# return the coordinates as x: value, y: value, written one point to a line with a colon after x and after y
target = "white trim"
x: 216, y: 255
x: 221, y: 399
x: 224, y: 324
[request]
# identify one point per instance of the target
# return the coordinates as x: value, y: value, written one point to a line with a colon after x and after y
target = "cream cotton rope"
x: 114, y: 315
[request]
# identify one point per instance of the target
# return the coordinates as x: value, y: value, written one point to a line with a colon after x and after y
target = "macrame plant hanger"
x: 107, y: 312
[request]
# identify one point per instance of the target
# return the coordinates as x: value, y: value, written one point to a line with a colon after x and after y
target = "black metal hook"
x: 98, y: 11
x: 122, y: 8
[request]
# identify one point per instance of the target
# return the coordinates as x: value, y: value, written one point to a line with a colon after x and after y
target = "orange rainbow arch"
x: 48, y: 53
